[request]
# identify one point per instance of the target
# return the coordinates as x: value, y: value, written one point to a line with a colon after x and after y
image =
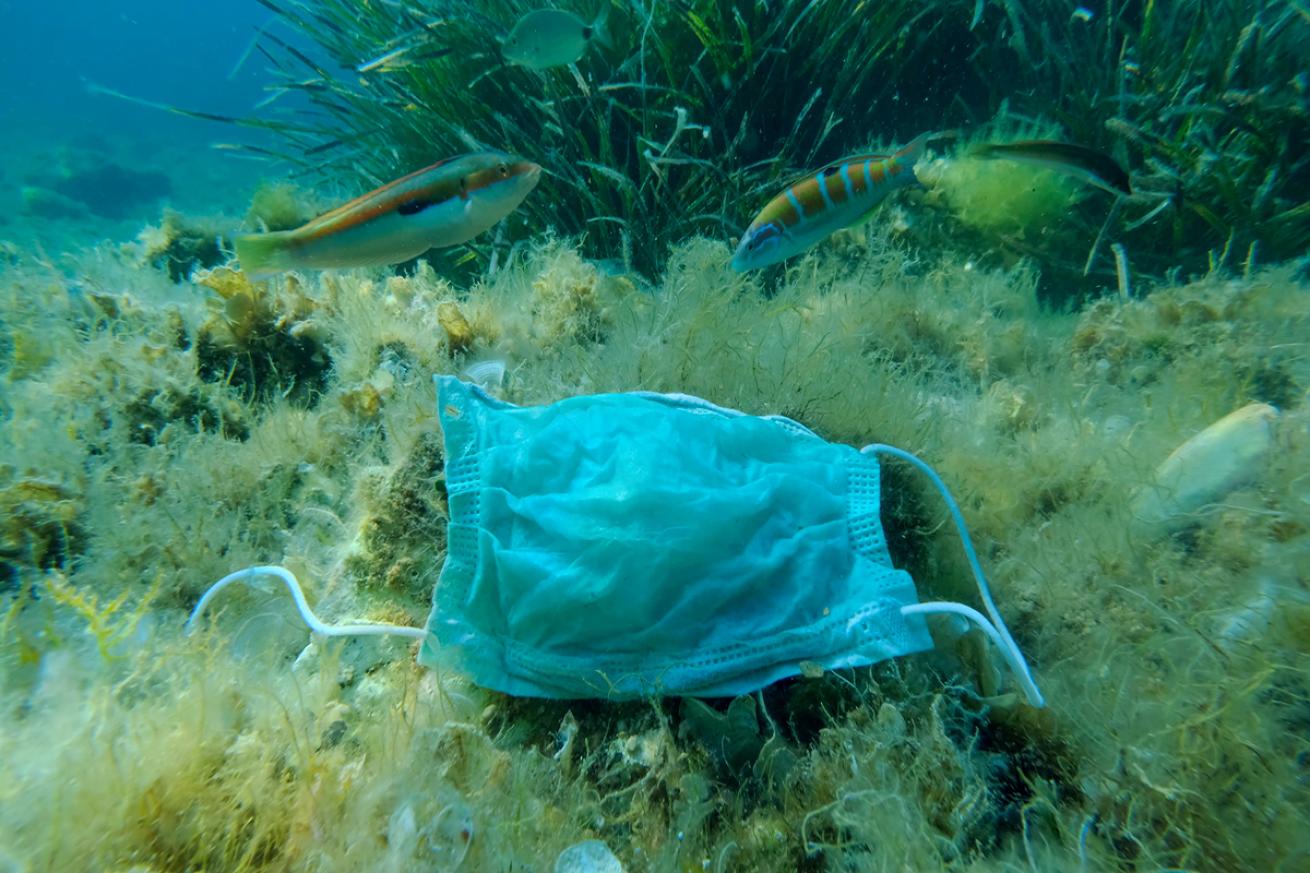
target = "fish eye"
x: 504, y: 169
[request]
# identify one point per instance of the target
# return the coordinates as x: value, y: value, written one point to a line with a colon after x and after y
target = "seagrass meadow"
x: 1115, y: 388
x: 696, y: 110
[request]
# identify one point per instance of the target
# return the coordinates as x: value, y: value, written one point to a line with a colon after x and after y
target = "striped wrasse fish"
x: 816, y: 206
x: 442, y: 205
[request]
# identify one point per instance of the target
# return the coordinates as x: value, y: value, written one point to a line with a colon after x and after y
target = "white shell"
x: 589, y: 856
x: 486, y: 374
x: 1224, y: 456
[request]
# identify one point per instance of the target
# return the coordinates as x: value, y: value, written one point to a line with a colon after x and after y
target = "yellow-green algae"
x: 157, y: 436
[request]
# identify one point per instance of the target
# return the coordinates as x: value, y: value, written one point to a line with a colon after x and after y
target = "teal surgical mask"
x: 637, y: 544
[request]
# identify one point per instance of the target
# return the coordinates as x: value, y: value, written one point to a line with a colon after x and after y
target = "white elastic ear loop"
x: 315, y: 624
x: 995, y: 629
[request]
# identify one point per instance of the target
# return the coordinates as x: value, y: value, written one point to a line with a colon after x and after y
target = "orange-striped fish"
x: 837, y: 196
x: 442, y: 205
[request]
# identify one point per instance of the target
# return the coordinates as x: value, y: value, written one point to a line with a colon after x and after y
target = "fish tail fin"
x: 915, y: 148
x: 263, y: 255
x: 912, y: 152
x: 599, y: 32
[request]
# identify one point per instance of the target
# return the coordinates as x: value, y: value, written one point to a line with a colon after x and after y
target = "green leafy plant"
x: 108, y: 622
x: 696, y: 111
x: 683, y: 127
x: 1207, y: 102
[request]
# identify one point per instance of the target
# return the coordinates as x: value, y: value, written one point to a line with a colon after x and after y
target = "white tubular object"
x: 313, y: 621
x: 995, y: 629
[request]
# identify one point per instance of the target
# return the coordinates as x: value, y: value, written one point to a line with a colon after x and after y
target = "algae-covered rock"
x: 459, y: 334
x: 262, y: 336
x: 180, y: 244
x: 41, y: 525
x: 81, y: 182
x: 152, y: 412
x: 278, y: 205
x: 1174, y: 667
x: 567, y: 302
x: 112, y: 190
x: 402, y: 531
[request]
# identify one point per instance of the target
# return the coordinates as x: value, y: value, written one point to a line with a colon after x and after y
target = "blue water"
x: 78, y: 166
x: 175, y: 52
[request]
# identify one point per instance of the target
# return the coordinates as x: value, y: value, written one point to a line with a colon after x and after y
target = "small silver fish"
x: 548, y: 38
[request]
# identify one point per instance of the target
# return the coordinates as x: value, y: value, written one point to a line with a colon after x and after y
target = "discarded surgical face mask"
x: 628, y: 545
